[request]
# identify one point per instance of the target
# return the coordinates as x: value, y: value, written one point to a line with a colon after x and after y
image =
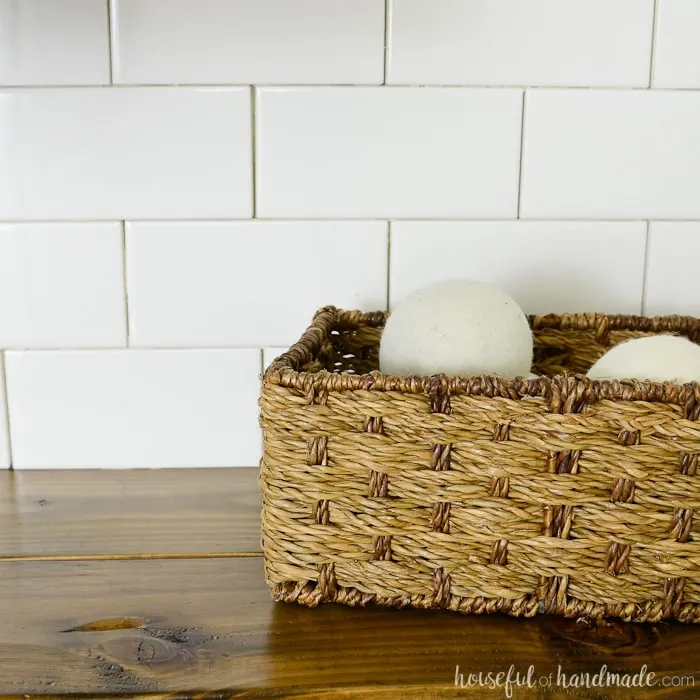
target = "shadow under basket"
x: 559, y: 495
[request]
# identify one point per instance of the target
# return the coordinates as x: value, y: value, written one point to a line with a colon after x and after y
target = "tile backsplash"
x: 62, y: 285
x: 183, y: 182
x: 387, y: 152
x: 567, y: 43
x: 247, y: 283
x: 116, y: 408
x: 618, y: 154
x: 548, y: 266
x: 125, y: 153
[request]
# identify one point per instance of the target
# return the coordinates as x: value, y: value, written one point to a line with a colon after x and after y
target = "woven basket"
x: 555, y: 495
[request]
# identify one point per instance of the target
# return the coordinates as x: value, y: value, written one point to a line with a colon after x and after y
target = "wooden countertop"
x: 149, y: 584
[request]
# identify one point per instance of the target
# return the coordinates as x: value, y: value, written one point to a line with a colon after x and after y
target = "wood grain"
x: 206, y: 628
x: 83, y: 513
x: 85, y: 608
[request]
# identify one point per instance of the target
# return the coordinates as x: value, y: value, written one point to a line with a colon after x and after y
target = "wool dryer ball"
x: 457, y: 327
x: 657, y: 358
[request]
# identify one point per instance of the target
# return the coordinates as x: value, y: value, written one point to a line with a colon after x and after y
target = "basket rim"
x: 573, y: 388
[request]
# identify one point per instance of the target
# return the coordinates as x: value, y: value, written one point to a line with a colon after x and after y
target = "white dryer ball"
x: 657, y: 358
x: 457, y: 327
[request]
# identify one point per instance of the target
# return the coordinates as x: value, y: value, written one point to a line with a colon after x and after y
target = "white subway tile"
x: 239, y: 41
x: 511, y: 42
x: 4, y: 437
x: 131, y: 408
x: 672, y: 268
x: 54, y: 42
x: 107, y: 153
x: 247, y: 283
x: 611, y: 154
x: 677, y: 54
x: 387, y: 152
x: 547, y: 266
x: 61, y: 285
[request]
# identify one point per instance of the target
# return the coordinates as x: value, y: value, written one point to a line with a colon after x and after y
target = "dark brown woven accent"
x: 565, y: 396
x: 623, y: 489
x: 440, y: 518
x: 499, y: 486
x: 681, y: 527
x: 441, y: 460
x: 673, y: 595
x: 501, y: 432
x: 689, y: 463
x: 618, y: 554
x: 322, y: 513
x: 374, y: 424
x: 441, y: 588
x: 499, y: 553
x: 317, y: 455
x: 682, y: 524
x: 382, y: 547
x: 327, y: 581
x: 378, y: 488
x: 317, y: 451
x: 378, y: 481
x: 441, y: 457
x: 480, y: 495
x: 378, y: 484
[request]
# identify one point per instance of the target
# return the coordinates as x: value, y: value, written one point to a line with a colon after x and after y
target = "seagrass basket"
x: 558, y: 495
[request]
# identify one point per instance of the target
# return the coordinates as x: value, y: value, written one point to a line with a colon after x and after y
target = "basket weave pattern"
x: 555, y: 495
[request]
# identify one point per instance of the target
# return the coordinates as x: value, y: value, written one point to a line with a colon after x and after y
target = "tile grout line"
x: 522, y: 150
x: 652, y: 58
x: 110, y: 41
x: 112, y: 348
x: 348, y: 86
x: 261, y: 436
x: 125, y: 285
x: 253, y: 150
x: 388, y: 265
x: 4, y: 398
x: 23, y: 558
x: 386, y: 39
x: 362, y: 219
x: 645, y: 273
